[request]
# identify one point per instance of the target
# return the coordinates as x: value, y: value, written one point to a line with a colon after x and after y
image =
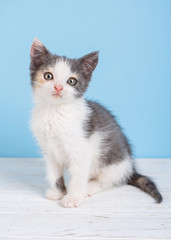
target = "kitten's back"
x: 114, y: 140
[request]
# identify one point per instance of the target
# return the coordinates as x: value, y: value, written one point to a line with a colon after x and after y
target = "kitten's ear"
x: 37, y: 49
x: 39, y: 55
x: 88, y: 62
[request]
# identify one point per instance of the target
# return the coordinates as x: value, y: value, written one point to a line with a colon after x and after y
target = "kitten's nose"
x: 58, y: 88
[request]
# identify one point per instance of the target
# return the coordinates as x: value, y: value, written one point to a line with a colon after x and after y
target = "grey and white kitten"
x: 78, y: 134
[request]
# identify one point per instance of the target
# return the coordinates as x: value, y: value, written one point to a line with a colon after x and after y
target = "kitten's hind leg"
x: 93, y: 187
x: 112, y: 175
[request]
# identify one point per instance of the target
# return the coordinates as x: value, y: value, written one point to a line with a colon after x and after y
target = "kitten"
x: 78, y: 134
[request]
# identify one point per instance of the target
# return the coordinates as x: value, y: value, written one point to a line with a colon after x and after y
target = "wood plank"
x: 93, y: 226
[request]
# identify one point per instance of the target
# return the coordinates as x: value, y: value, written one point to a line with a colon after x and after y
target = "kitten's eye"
x: 72, y: 81
x: 48, y: 76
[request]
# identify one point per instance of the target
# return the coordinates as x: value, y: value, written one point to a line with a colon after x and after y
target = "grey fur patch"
x: 83, y: 81
x: 83, y: 67
x: 41, y: 61
x: 115, y: 143
x: 61, y: 185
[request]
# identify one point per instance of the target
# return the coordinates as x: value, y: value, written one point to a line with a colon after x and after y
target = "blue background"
x: 133, y: 77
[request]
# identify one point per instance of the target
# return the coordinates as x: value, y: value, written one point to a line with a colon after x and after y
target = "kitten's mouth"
x: 56, y: 94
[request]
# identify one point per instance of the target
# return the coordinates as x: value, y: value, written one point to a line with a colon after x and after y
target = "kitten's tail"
x: 145, y: 184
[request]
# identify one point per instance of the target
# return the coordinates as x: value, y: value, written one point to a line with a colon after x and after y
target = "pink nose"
x: 58, y: 88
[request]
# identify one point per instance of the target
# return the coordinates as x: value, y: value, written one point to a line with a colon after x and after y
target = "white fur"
x: 58, y: 126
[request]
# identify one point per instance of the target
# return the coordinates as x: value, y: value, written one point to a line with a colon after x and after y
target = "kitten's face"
x: 60, y: 79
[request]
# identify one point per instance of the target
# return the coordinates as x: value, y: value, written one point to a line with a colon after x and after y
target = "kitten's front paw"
x: 53, y: 194
x: 71, y: 201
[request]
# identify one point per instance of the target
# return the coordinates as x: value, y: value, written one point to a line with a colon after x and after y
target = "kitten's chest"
x: 58, y: 124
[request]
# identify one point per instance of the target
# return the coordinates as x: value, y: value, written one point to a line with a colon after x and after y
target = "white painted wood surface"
x: 123, y: 213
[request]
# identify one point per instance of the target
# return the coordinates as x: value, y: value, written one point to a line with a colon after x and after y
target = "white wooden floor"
x: 123, y: 213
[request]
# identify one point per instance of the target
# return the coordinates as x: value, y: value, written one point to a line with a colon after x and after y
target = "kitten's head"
x: 60, y: 79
